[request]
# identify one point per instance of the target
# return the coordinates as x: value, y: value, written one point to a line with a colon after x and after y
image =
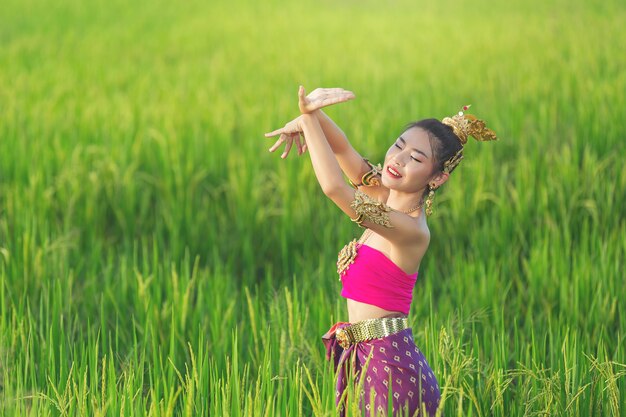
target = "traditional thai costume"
x: 396, y: 366
x: 387, y: 342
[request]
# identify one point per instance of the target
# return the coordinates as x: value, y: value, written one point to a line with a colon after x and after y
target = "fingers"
x: 335, y: 100
x: 342, y: 95
x: 329, y: 96
x: 288, y: 139
x: 337, y: 91
x: 278, y: 143
x: 304, y: 146
x: 322, y: 97
x: 330, y: 91
x: 275, y: 132
x: 303, y: 141
x: 302, y: 100
x: 287, y: 147
x: 298, y: 144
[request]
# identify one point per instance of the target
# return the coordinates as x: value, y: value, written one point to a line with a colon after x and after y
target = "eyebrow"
x: 413, y: 149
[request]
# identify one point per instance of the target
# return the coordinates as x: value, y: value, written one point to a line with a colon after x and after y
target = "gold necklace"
x: 415, y: 207
x: 348, y: 253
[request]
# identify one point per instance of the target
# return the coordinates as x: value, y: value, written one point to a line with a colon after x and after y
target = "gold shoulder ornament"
x: 371, y: 178
x: 368, y: 209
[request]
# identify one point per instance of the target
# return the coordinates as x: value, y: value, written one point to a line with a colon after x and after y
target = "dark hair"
x: 443, y: 141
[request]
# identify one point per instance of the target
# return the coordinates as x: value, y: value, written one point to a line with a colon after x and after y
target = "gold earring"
x: 429, y: 199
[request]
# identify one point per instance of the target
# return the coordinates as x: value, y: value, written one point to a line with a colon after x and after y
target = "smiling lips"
x: 392, y: 171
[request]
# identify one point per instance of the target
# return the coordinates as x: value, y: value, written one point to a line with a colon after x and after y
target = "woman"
x: 379, y: 270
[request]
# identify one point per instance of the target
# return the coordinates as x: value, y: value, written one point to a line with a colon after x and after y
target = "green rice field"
x: 157, y: 260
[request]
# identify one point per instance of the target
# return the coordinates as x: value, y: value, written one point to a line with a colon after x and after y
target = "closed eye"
x: 415, y: 159
x: 397, y: 146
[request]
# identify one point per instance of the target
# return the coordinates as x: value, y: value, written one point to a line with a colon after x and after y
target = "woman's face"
x: 409, y: 162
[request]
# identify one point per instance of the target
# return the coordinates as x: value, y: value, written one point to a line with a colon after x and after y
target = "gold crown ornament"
x: 465, y: 125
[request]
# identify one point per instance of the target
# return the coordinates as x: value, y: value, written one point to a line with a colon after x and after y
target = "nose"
x: 398, y: 161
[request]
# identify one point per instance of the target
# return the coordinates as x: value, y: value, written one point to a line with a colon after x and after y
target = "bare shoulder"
x: 424, y: 231
x: 412, y: 252
x: 422, y: 237
x: 407, y: 255
x: 418, y: 251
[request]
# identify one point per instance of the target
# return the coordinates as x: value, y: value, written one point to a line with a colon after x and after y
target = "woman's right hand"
x: 322, y: 97
x: 290, y: 133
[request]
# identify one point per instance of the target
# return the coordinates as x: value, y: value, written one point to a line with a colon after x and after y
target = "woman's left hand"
x: 289, y: 134
x: 322, y: 97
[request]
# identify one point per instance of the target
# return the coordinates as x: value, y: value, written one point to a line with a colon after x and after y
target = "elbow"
x: 338, y: 192
x: 331, y: 190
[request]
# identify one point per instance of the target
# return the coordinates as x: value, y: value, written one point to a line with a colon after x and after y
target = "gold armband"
x: 371, y: 178
x: 369, y: 209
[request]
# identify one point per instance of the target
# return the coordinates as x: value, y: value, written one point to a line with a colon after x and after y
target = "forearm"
x: 337, y: 140
x: 325, y: 165
x: 393, y: 225
x: 350, y: 161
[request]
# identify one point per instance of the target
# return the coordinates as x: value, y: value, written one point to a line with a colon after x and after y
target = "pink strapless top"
x: 375, y: 279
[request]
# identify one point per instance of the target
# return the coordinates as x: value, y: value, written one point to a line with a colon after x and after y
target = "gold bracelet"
x: 359, y: 220
x: 370, y: 178
x: 370, y: 209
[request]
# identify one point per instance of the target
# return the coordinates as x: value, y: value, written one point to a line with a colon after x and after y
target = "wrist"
x: 306, y: 118
x: 304, y: 111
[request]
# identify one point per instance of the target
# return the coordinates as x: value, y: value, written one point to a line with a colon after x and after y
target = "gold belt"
x: 370, y: 329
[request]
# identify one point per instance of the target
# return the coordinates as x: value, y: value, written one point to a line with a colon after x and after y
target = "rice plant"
x: 156, y: 260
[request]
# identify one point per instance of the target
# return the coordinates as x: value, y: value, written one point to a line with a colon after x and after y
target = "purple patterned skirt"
x: 395, y: 357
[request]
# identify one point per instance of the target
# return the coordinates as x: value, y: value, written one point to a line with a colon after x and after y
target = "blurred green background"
x: 155, y: 259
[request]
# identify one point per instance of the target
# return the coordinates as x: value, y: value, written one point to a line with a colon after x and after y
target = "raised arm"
x: 350, y: 161
x: 359, y: 170
x: 394, y: 225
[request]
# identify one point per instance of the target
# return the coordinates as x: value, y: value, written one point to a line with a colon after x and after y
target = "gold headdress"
x: 465, y: 125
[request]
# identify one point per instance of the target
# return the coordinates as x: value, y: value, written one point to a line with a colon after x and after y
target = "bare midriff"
x: 358, y: 311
